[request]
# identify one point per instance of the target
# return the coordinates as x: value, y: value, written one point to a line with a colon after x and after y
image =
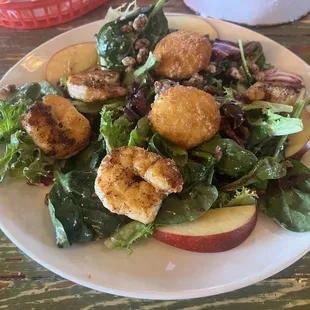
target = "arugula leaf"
x: 186, y: 206
x: 23, y: 158
x: 114, y: 129
x: 139, y: 135
x: 10, y: 117
x: 127, y: 235
x: 77, y: 214
x: 268, y: 168
x: 164, y: 148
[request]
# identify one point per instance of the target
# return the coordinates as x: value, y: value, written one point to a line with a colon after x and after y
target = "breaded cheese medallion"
x: 185, y: 116
x: 181, y: 54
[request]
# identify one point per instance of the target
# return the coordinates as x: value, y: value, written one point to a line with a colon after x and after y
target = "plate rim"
x: 178, y: 295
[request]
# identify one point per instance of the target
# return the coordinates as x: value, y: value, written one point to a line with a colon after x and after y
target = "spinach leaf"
x: 139, y: 135
x: 26, y: 91
x: 290, y: 209
x: 157, y: 26
x: 129, y: 234
x: 49, y: 89
x: 187, y: 206
x: 88, y: 159
x: 115, y: 129
x: 23, y: 158
x: 193, y: 173
x: 234, y: 160
x: 268, y: 168
x: 287, y: 200
x: 67, y: 218
x: 77, y: 214
x: 113, y: 45
x: 159, y: 145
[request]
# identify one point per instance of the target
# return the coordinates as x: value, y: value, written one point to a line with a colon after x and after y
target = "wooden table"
x: 26, y: 285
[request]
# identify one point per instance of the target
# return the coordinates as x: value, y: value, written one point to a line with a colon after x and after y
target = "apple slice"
x: 73, y: 59
x: 192, y: 23
x: 299, y: 143
x: 216, y: 231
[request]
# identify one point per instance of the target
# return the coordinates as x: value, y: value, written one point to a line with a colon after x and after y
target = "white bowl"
x: 252, y: 12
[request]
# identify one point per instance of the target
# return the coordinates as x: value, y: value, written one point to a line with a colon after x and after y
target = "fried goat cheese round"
x: 56, y: 127
x: 181, y: 54
x: 133, y: 182
x: 185, y: 116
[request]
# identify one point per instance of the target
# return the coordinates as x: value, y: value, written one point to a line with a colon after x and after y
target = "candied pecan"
x: 253, y: 67
x: 196, y: 81
x: 126, y: 28
x: 128, y: 61
x: 211, y: 68
x: 142, y: 55
x: 161, y: 86
x: 139, y: 22
x: 6, y: 90
x: 142, y: 43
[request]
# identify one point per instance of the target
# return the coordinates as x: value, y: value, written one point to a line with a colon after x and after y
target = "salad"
x: 161, y: 132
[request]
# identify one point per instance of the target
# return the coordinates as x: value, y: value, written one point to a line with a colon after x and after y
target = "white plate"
x: 154, y: 270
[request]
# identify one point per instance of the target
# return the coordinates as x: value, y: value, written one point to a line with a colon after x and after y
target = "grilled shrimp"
x: 272, y: 93
x: 133, y: 182
x: 95, y: 85
x: 57, y: 127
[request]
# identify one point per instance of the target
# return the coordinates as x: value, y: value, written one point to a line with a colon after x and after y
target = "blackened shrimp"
x: 133, y: 182
x: 57, y: 127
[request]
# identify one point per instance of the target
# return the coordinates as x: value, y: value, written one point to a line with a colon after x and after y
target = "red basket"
x: 43, y: 13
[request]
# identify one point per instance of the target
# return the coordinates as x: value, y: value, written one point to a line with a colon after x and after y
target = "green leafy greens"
x: 77, y: 214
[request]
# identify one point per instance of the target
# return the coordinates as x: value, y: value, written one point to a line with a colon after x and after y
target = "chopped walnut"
x: 253, y: 67
x: 128, y: 61
x: 6, y: 90
x: 218, y: 153
x: 142, y: 43
x: 260, y: 76
x: 142, y: 55
x: 196, y: 81
x: 237, y: 75
x: 139, y: 22
x: 126, y: 28
x: 161, y: 86
x: 211, y: 68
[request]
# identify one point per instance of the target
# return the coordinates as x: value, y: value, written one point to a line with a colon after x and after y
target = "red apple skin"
x: 298, y: 155
x: 300, y: 136
x: 211, y: 243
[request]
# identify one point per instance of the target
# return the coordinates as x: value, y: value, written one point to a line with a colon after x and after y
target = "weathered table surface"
x: 24, y: 284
